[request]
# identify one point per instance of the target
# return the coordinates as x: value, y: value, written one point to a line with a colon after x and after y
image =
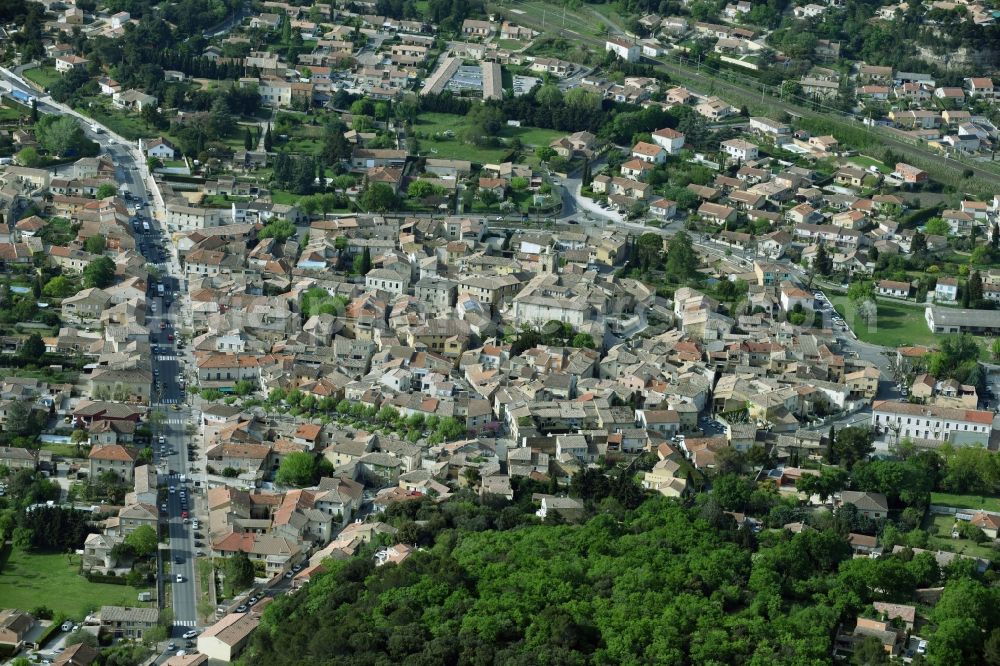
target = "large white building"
x: 623, y: 49
x: 932, y: 423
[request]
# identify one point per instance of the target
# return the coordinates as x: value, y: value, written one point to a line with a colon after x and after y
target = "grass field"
x: 974, y: 502
x: 864, y: 162
x: 8, y: 113
x: 64, y: 450
x: 128, y: 126
x: 943, y: 541
x: 433, y: 126
x: 896, y: 324
x: 35, y: 580
x: 43, y: 76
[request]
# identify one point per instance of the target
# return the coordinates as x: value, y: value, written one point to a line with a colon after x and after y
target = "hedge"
x: 102, y: 578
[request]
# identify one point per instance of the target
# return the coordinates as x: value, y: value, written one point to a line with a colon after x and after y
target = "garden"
x: 28, y: 580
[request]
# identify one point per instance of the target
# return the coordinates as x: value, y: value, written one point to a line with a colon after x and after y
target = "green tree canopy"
x: 142, y: 540
x: 297, y: 469
x: 96, y: 244
x: 99, y: 273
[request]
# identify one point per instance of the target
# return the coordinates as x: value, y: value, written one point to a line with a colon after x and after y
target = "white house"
x: 623, y: 49
x: 946, y: 290
x: 893, y: 288
x: 663, y: 208
x: 739, y: 149
x: 669, y: 139
x: 932, y: 422
x: 160, y: 149
x: 649, y: 152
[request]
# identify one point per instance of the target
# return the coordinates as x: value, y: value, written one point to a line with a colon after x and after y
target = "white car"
x: 180, y: 578
x: 190, y: 634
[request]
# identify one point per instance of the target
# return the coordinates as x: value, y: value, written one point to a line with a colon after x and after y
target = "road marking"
x: 185, y: 623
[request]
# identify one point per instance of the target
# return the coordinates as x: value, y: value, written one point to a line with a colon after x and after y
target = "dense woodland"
x: 662, y: 584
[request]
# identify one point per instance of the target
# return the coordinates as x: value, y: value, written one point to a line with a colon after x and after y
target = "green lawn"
x: 43, y: 76
x: 129, y: 126
x: 9, y: 113
x: 434, y: 141
x: 63, y: 450
x: 943, y: 541
x: 973, y: 502
x: 896, y: 325
x: 283, y: 197
x: 864, y: 161
x: 31, y: 580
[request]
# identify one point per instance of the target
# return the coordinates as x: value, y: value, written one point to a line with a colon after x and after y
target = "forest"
x: 662, y: 584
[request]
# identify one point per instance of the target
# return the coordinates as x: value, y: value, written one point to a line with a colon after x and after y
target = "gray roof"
x: 965, y: 317
x: 865, y: 501
x: 127, y: 614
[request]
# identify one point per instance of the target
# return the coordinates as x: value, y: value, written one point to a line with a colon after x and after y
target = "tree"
x: 824, y: 262
x: 995, y: 237
x: 268, y: 142
x: 995, y: 349
x: 919, y: 243
x: 29, y: 157
x: 649, y: 251
x: 830, y: 481
x: 34, y: 111
x: 420, y: 189
x: 96, y: 244
x: 81, y: 636
x: 936, y: 227
x: 60, y: 135
x: 869, y: 652
x: 106, y: 190
x: 861, y: 291
x: 297, y: 469
x: 732, y: 491
x: 142, y: 540
x: 586, y: 178
x: 378, y: 198
x: 99, y: 273
x: 33, y: 347
x: 974, y: 286
x: 238, y: 571
x: 682, y: 261
x: 247, y: 139
x: 852, y: 444
x: 363, y: 262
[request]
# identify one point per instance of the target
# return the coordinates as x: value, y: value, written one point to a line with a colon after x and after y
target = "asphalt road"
x: 173, y: 455
x: 168, y: 395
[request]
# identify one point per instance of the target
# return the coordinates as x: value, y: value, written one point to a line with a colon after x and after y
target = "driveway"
x: 574, y: 202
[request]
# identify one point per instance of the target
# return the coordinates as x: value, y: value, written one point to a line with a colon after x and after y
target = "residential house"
x: 113, y: 458
x: 126, y: 622
x: 226, y: 640
x: 869, y: 505
x: 624, y: 49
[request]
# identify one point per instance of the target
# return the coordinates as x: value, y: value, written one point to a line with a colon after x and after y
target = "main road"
x: 168, y: 412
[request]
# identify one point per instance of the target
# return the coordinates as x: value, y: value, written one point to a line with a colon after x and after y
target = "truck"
x: 145, y: 226
x: 97, y: 128
x: 159, y: 289
x: 22, y: 97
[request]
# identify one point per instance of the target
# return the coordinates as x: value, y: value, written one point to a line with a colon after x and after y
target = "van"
x: 145, y: 596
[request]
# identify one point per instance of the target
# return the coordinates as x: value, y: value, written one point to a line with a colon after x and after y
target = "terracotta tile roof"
x: 115, y: 452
